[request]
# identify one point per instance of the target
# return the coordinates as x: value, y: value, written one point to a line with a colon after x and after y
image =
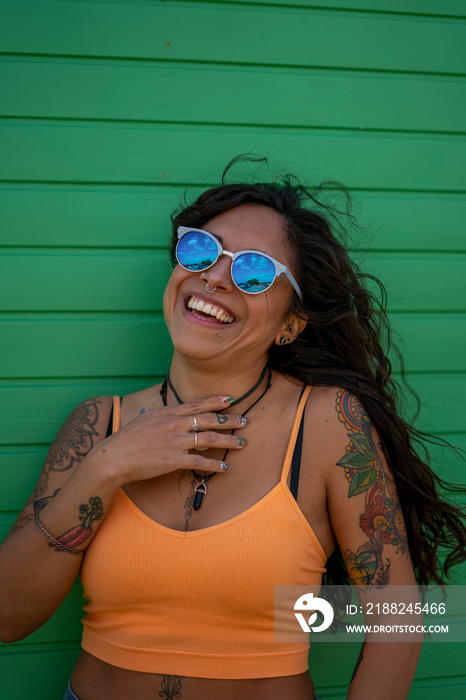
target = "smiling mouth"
x: 207, y: 310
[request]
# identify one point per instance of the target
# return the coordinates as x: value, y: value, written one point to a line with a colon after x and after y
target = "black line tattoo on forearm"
x: 358, y: 662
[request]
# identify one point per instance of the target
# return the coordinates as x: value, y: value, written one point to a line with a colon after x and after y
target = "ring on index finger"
x: 195, y: 426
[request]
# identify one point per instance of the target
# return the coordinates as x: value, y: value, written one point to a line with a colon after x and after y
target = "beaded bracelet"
x: 56, y: 543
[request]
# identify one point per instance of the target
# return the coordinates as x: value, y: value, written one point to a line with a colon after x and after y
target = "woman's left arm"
x: 368, y: 525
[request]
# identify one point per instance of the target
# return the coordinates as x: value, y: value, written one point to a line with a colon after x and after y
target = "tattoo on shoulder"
x: 382, y: 520
x: 171, y: 686
x: 75, y: 438
x: 73, y: 442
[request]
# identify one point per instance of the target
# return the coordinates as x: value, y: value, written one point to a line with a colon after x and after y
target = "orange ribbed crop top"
x: 199, y: 603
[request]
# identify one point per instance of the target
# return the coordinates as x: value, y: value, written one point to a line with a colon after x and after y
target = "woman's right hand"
x: 160, y: 441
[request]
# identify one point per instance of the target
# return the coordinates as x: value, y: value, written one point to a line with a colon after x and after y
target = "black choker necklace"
x: 201, y: 487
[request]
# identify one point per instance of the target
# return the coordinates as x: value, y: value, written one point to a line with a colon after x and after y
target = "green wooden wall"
x: 110, y: 108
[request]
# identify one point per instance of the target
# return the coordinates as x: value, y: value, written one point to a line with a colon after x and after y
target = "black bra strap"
x: 110, y: 420
x: 110, y: 423
x: 296, y: 459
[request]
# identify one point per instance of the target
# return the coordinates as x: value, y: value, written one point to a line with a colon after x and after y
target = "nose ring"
x: 208, y: 289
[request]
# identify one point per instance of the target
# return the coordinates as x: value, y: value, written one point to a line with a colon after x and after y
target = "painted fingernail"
x: 224, y: 465
x: 242, y: 442
x: 143, y: 410
x: 242, y: 420
x: 227, y: 400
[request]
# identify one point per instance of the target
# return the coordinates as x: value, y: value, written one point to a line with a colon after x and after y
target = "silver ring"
x: 208, y: 289
x: 195, y: 441
x: 195, y: 426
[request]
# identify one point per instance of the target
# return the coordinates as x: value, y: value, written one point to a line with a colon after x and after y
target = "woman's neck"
x: 195, y: 382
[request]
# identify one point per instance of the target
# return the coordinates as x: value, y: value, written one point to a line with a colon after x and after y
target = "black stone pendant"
x: 200, y: 491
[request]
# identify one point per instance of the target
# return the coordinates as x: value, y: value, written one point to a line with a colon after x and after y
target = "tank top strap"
x: 116, y: 413
x: 294, y: 433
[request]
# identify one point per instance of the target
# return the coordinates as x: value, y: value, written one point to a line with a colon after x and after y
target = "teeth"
x: 219, y: 314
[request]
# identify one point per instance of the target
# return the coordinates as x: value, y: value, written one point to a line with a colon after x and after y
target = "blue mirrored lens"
x: 196, y: 251
x: 253, y: 273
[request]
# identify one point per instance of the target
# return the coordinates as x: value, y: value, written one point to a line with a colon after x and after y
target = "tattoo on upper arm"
x: 73, y: 442
x: 171, y: 686
x: 75, y: 438
x: 382, y: 520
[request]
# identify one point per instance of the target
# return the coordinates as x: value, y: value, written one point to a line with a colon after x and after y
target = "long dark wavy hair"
x: 342, y: 345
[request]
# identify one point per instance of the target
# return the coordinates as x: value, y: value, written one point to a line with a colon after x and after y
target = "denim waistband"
x: 70, y: 694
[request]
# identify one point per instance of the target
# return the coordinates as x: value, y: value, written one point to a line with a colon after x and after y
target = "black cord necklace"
x: 201, y: 487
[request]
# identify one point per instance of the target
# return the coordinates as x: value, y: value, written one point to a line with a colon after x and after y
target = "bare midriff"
x: 96, y: 680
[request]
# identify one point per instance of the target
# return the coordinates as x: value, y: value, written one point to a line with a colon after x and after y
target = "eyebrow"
x: 219, y: 238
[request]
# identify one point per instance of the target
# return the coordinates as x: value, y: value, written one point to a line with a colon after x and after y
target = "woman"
x: 184, y: 496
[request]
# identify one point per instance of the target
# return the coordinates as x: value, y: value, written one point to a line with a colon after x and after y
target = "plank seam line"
x: 228, y: 125
x: 336, y: 9
x: 260, y: 64
x: 186, y: 63
x: 129, y: 183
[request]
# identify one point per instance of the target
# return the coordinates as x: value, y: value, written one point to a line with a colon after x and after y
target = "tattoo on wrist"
x: 80, y: 533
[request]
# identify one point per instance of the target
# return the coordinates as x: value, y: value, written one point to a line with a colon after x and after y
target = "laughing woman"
x: 184, y: 504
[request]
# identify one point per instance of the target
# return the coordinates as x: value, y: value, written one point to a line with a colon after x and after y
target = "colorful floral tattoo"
x: 382, y: 520
x: 80, y: 533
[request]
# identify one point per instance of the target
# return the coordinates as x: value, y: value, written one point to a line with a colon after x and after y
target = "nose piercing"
x: 207, y: 285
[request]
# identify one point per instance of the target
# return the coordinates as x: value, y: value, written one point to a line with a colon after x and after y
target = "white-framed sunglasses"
x: 252, y: 272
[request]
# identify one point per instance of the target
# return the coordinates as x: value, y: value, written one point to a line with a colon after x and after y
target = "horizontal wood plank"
x: 31, y: 412
x: 80, y: 280
x: 49, y: 403
x: 134, y: 280
x: 39, y: 671
x: 119, y: 90
x: 135, y: 216
x: 118, y: 345
x: 313, y: 37
x: 150, y: 154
